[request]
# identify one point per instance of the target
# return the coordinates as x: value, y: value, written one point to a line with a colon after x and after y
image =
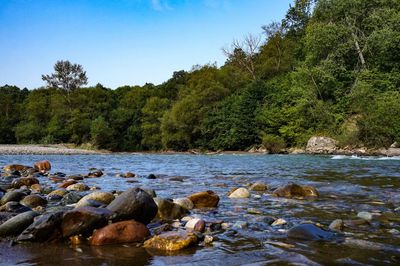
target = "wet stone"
x: 84, y: 220
x: 14, y: 206
x: 17, y: 224
x: 171, y: 241
x: 12, y: 196
x: 309, y: 232
x: 33, y: 201
x: 45, y: 228
x: 71, y: 198
x: 204, y: 199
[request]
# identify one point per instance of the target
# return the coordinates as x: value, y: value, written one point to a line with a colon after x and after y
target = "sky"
x: 123, y: 42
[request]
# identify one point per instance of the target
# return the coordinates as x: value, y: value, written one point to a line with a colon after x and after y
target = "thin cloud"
x: 160, y: 5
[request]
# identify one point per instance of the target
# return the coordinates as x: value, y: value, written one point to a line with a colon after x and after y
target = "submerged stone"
x: 309, y: 232
x: 171, y: 241
x: 168, y: 210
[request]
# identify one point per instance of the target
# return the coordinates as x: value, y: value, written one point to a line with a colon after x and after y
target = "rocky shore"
x: 37, y: 206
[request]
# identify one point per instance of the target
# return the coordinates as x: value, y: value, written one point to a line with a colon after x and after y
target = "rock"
x: 149, y: 191
x: 67, y: 183
x: 17, y: 224
x: 184, y: 202
x: 321, y: 145
x: 365, y: 215
x: 395, y: 145
x: 196, y: 225
x: 129, y: 175
x: 254, y: 211
x: 78, y: 187
x: 58, y: 192
x: 121, y: 232
x: 13, y: 206
x: 15, y: 167
x: 12, y: 196
x: 171, y: 241
x: 57, y: 179
x: 208, y: 239
x: 294, y: 190
x: 71, y: 198
x: 75, y: 177
x: 240, y: 193
x: 33, y: 201
x: 309, y: 232
x: 204, y: 199
x: 168, y: 210
x: 177, y: 178
x: 258, y: 186
x: 95, y: 173
x: 45, y: 228
x: 42, y: 166
x: 278, y: 222
x: 99, y: 196
x: 84, y: 220
x: 336, y: 225
x: 24, y: 181
x: 151, y: 176
x: 240, y: 225
x: 37, y: 188
x: 134, y: 204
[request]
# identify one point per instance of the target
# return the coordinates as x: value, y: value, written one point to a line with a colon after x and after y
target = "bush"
x: 273, y: 143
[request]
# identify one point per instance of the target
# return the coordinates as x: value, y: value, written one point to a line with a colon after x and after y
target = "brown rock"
x: 77, y: 187
x: 24, y: 181
x: 121, y: 232
x: 42, y: 166
x: 59, y: 192
x: 294, y: 190
x: 170, y: 241
x: 84, y: 220
x: 258, y: 186
x: 204, y: 199
x: 33, y: 201
x: 56, y: 179
x: 15, y: 167
x: 129, y: 174
x: 67, y: 183
x: 99, y: 196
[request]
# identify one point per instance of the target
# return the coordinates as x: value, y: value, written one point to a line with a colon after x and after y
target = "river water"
x: 347, y: 185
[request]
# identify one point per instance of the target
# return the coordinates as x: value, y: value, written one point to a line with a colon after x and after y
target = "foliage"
x: 329, y: 67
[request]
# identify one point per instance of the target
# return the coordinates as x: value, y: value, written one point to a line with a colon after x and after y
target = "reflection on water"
x: 347, y: 186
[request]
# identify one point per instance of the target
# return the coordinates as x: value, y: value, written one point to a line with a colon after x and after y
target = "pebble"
x: 208, y: 239
x: 365, y: 215
x: 279, y: 222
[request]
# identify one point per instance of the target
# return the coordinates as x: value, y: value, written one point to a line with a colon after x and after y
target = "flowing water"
x: 347, y: 185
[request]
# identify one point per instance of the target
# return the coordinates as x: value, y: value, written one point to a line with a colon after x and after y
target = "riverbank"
x: 62, y: 149
x: 16, y: 149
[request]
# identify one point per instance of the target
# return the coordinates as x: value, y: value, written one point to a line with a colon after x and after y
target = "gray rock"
x: 17, y: 224
x: 240, y: 193
x: 12, y: 196
x: 71, y: 198
x: 321, y: 145
x: 46, y: 227
x: 309, y: 232
x: 134, y: 204
x: 336, y: 225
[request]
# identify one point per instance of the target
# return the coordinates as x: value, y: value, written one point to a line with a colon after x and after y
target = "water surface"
x: 347, y: 185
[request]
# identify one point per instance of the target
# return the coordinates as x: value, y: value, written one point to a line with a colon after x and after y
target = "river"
x: 347, y: 185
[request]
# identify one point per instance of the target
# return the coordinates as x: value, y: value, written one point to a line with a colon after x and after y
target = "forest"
x: 330, y: 68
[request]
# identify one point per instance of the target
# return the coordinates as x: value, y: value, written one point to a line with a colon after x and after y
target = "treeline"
x: 330, y: 67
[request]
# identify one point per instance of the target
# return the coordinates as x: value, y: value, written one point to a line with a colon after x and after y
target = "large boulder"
x: 42, y: 166
x: 204, y: 199
x: 120, y: 232
x: 134, y: 204
x: 45, y: 228
x: 84, y: 220
x: 321, y: 145
x: 13, y: 195
x: 17, y: 224
x: 170, y: 241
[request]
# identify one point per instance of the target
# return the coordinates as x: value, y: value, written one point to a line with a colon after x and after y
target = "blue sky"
x: 123, y: 42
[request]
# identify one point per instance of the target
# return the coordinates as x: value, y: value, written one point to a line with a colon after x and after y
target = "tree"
x: 67, y: 77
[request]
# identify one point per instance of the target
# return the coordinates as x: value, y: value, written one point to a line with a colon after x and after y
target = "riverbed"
x: 347, y: 185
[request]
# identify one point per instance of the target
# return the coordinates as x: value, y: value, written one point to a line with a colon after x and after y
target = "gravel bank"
x: 43, y: 149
